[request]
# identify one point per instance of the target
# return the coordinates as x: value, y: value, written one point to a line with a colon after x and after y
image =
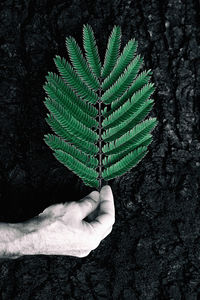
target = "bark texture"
x: 153, y: 251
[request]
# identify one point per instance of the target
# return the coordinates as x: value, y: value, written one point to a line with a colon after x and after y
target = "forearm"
x: 9, y: 250
x: 19, y: 239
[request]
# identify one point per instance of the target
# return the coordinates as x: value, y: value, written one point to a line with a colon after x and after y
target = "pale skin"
x: 61, y: 229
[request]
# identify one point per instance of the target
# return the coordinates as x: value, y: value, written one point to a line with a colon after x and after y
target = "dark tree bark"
x: 153, y: 251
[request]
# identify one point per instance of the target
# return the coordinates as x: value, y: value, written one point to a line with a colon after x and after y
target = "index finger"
x: 106, y: 217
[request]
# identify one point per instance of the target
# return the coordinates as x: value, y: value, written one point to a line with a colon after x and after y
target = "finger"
x: 92, y: 216
x: 53, y: 210
x: 108, y: 231
x: 106, y: 217
x: 88, y: 204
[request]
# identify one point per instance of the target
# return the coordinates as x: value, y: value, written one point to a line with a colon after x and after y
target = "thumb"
x: 89, y: 204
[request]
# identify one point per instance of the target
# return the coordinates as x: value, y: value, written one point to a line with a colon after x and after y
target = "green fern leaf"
x: 129, y: 107
x: 74, y: 81
x: 142, y: 79
x: 112, y: 51
x: 139, y: 114
x: 125, y: 164
x: 123, y: 82
x: 122, y: 62
x: 68, y: 122
x: 80, y: 64
x: 88, y: 174
x: 88, y: 148
x: 70, y: 106
x: 89, y: 182
x: 91, y: 50
x: 113, y: 158
x: 60, y: 85
x: 81, y: 124
x: 131, y: 137
x: 56, y: 143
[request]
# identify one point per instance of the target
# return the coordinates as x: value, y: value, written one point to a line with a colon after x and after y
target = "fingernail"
x: 106, y: 187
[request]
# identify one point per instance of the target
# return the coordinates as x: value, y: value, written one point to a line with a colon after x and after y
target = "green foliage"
x: 87, y: 174
x: 91, y: 51
x: 137, y: 84
x: 74, y: 81
x: 79, y: 142
x: 58, y: 84
x: 125, y: 164
x: 130, y: 120
x: 113, y: 158
x: 123, y: 82
x: 80, y: 64
x: 129, y: 107
x: 122, y: 62
x: 55, y: 142
x: 130, y: 138
x: 112, y: 51
x: 69, y: 123
x: 81, y: 88
x: 72, y: 107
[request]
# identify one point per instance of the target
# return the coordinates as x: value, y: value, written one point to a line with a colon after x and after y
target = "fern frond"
x: 80, y: 65
x: 88, y: 148
x: 115, y: 93
x: 112, y: 51
x: 117, y: 131
x: 113, y: 158
x: 63, y: 99
x: 123, y: 82
x: 69, y: 123
x: 122, y: 62
x: 131, y: 137
x: 142, y: 79
x: 59, y: 84
x: 129, y: 107
x: 93, y: 183
x: 56, y: 143
x: 86, y: 173
x: 68, y: 74
x: 125, y: 164
x: 91, y: 50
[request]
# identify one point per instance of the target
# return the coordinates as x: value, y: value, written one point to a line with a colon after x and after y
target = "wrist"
x: 9, y: 233
x: 28, y: 244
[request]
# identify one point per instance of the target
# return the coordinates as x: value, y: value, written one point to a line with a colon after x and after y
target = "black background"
x: 153, y: 251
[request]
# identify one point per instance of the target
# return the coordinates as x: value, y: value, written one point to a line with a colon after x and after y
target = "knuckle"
x: 72, y: 209
x: 54, y: 209
x: 94, y: 194
x: 86, y: 203
x: 89, y: 202
x: 71, y: 204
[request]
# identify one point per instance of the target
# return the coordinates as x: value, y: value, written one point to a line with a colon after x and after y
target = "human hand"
x: 61, y: 229
x: 64, y: 230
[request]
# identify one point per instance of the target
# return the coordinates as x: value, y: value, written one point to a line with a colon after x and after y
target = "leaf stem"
x: 100, y: 138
